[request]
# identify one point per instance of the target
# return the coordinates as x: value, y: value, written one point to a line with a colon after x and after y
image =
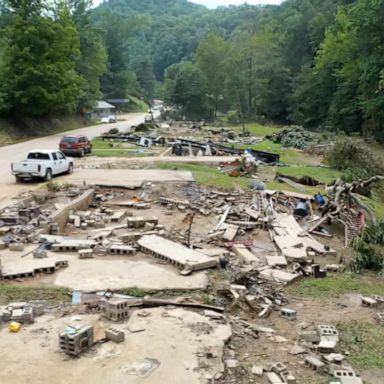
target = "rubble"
x: 177, y: 254
x: 114, y: 335
x: 76, y: 339
x: 115, y: 310
x: 288, y: 314
x: 254, y: 239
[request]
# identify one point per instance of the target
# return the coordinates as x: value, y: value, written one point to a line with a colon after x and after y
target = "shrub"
x: 369, y: 247
x: 233, y: 117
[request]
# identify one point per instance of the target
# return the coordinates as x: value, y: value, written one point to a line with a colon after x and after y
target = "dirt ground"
x: 123, y: 177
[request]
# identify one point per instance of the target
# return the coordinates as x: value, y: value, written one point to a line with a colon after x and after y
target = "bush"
x: 354, y: 158
x: 233, y: 117
x: 369, y: 246
x: 357, y: 163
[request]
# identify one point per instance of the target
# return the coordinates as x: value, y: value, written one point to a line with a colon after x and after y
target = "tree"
x: 185, y: 87
x: 211, y: 58
x: 353, y: 55
x: 120, y: 79
x: 146, y: 77
x: 40, y: 58
x: 91, y: 63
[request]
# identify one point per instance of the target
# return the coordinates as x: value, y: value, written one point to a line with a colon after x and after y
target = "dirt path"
x: 94, y: 161
x: 17, y: 152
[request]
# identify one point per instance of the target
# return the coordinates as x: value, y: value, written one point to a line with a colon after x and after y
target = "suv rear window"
x: 38, y: 156
x: 70, y: 140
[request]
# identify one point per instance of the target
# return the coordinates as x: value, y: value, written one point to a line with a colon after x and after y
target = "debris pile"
x: 260, y: 240
x: 292, y: 137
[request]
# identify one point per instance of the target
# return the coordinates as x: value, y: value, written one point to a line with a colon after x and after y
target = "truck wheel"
x: 48, y: 175
x: 18, y: 179
x: 70, y: 169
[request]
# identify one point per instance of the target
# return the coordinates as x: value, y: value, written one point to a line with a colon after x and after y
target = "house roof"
x: 104, y: 105
x: 119, y: 101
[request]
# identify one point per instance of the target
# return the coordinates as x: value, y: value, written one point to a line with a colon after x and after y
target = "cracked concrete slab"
x: 172, y: 347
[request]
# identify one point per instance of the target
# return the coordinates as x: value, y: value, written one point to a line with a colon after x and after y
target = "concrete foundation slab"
x: 169, y: 336
x: 113, y: 273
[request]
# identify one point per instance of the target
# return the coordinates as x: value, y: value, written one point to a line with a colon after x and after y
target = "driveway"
x: 18, y: 152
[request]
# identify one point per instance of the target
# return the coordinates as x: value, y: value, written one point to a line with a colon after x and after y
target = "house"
x: 103, y: 109
x: 120, y: 104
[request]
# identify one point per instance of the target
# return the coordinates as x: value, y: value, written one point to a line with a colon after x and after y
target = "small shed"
x: 103, y: 109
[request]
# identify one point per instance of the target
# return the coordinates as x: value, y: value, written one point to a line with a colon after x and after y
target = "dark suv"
x: 75, y: 145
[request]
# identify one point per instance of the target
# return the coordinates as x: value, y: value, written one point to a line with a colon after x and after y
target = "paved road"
x: 17, y: 152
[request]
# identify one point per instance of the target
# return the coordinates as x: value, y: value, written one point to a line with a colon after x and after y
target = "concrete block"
x: 85, y: 253
x: 115, y: 335
x: 368, y: 301
x: 314, y: 363
x: 77, y: 221
x: 5, y: 315
x: 257, y: 370
x: 273, y: 378
x: 139, y: 222
x: 75, y: 340
x: 115, y: 310
x: 347, y: 376
x: 278, y: 368
x: 288, y: 377
x: 351, y: 380
x: 24, y: 315
x: 149, y: 226
x: 245, y: 256
x: 17, y: 304
x: 310, y: 336
x: 40, y: 254
x: 328, y: 332
x: 38, y: 306
x: 327, y: 346
x: 276, y: 261
x: 288, y: 313
x: 18, y: 247
x: 121, y: 250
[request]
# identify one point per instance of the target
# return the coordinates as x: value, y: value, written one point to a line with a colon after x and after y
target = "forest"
x: 315, y: 63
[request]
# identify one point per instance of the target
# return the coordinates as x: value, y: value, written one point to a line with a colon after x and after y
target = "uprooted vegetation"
x: 292, y: 137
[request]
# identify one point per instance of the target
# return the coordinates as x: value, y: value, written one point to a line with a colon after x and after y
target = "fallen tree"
x: 343, y: 195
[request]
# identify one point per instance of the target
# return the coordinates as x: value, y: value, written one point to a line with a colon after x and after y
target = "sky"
x: 215, y: 3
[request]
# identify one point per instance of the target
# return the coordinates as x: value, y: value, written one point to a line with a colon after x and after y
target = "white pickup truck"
x: 42, y: 164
